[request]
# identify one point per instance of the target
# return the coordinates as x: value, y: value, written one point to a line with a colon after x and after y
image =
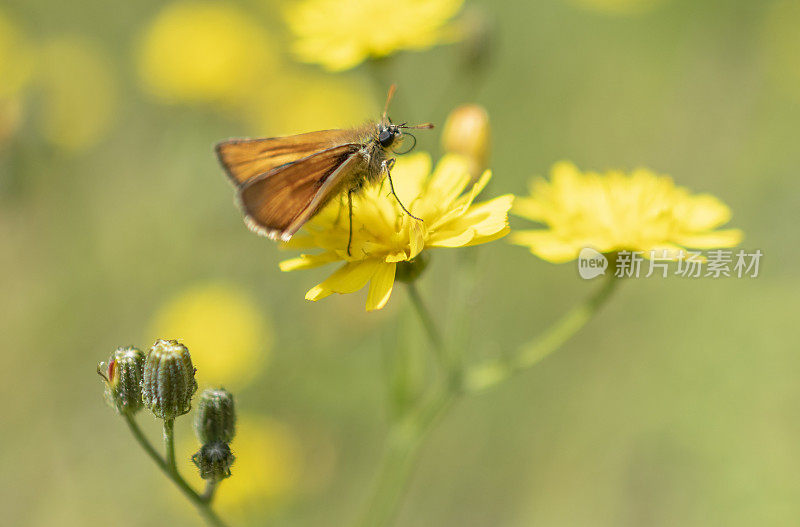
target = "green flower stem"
x: 430, y: 326
x: 497, y: 371
x: 407, y: 436
x: 169, y: 444
x: 200, y: 501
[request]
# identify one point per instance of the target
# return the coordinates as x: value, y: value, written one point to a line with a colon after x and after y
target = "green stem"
x: 496, y: 371
x: 199, y: 501
x: 407, y: 435
x: 169, y: 444
x: 427, y: 322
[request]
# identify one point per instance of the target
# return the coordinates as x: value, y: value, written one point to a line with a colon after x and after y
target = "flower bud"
x: 168, y: 384
x: 466, y: 132
x: 408, y: 271
x: 215, y: 419
x: 214, y: 461
x: 123, y: 377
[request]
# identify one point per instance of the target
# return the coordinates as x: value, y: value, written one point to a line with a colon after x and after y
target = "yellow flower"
x: 80, y: 92
x: 228, y: 336
x: 614, y: 211
x: 340, y: 34
x: 384, y: 235
x: 267, y: 470
x: 199, y: 52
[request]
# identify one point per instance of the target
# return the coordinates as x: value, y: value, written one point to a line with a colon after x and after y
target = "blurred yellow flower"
x: 618, y: 7
x: 16, y: 59
x: 197, y: 52
x: 340, y: 34
x: 79, y: 92
x: 228, y: 336
x: 384, y: 235
x: 614, y: 211
x: 267, y: 470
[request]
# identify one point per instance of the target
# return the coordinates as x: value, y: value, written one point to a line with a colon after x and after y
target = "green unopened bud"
x: 410, y: 270
x: 168, y: 384
x: 123, y: 377
x: 215, y: 420
x: 214, y: 461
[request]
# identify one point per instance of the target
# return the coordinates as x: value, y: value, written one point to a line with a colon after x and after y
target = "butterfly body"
x: 282, y: 182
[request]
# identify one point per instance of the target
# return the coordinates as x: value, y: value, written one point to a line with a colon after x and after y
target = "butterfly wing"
x: 244, y: 159
x: 277, y: 203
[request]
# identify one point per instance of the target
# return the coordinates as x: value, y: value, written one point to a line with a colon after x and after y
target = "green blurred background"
x: 678, y: 405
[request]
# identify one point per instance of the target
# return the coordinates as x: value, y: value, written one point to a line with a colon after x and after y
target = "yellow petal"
x: 349, y: 278
x: 380, y: 286
x: 308, y: 261
x: 546, y: 245
x: 724, y: 238
x: 702, y: 213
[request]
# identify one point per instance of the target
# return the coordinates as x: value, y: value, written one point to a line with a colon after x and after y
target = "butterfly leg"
x: 387, y: 167
x: 350, y: 212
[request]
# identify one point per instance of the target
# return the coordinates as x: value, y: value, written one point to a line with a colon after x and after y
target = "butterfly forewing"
x: 244, y: 159
x: 277, y: 203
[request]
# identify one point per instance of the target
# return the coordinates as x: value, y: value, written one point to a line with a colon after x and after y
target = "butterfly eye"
x: 386, y: 137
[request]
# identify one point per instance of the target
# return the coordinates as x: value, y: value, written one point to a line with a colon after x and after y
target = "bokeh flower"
x: 340, y: 34
x: 79, y: 92
x: 383, y: 235
x: 203, y: 52
x: 640, y: 211
x: 228, y: 335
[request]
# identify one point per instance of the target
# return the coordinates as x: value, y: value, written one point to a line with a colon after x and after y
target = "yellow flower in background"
x: 16, y: 59
x: 618, y: 7
x: 228, y: 336
x: 307, y: 101
x: 198, y: 52
x: 79, y: 92
x: 615, y: 211
x: 340, y: 34
x: 267, y: 471
x: 384, y: 235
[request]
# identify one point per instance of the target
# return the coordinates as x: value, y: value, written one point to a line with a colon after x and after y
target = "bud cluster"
x: 214, y: 426
x: 163, y: 381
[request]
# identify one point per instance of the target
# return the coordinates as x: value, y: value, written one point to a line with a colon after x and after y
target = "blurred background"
x: 678, y: 405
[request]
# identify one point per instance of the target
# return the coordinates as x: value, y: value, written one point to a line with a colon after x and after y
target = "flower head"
x: 614, y: 211
x: 383, y: 235
x: 203, y: 52
x: 340, y: 34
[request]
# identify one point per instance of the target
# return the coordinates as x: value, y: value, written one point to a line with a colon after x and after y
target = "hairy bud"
x: 123, y: 378
x: 214, y: 461
x: 466, y: 132
x: 215, y: 420
x: 168, y: 384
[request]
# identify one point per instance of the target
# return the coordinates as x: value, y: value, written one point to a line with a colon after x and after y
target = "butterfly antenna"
x: 392, y: 89
x: 423, y: 126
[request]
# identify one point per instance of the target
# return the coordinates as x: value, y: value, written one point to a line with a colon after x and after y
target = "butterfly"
x: 282, y: 182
